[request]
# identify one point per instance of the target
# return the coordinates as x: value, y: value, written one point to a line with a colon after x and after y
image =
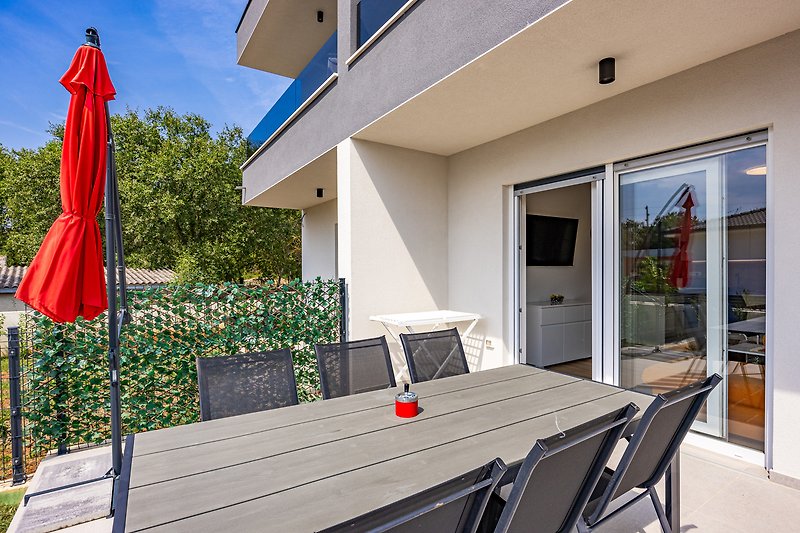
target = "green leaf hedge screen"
x: 65, y: 374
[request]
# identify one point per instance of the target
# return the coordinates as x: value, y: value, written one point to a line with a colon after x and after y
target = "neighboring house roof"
x: 756, y: 217
x: 747, y: 219
x: 10, y: 277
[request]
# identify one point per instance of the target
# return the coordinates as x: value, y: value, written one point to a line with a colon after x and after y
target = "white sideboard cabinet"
x: 558, y: 333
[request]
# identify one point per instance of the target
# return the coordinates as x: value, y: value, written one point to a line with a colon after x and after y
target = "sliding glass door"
x: 692, y: 284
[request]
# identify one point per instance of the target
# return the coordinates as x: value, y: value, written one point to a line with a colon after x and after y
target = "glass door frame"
x: 612, y: 249
x: 597, y: 177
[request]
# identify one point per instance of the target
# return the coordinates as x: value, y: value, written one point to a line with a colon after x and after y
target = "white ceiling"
x: 550, y: 68
x: 286, y: 35
x: 299, y: 190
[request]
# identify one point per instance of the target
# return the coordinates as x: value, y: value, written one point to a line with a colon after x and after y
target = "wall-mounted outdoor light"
x: 320, y: 192
x: 320, y: 16
x: 607, y: 70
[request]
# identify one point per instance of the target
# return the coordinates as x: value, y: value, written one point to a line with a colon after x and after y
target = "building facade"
x: 442, y: 151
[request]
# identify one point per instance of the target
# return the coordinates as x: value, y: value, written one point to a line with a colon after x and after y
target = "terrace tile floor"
x: 719, y: 494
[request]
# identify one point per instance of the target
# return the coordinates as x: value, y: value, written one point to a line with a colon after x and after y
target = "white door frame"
x: 519, y: 210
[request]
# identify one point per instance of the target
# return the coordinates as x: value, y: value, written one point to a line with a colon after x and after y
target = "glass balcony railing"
x: 319, y: 69
x: 372, y: 14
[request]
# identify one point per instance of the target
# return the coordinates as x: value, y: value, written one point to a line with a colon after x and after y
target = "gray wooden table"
x: 306, y: 467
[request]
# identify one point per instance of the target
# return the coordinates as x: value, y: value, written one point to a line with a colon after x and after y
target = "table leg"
x: 672, y: 494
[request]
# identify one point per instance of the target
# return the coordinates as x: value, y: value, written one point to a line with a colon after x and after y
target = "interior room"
x: 558, y: 269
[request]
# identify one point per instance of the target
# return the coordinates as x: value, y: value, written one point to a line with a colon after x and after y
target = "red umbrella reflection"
x: 679, y: 276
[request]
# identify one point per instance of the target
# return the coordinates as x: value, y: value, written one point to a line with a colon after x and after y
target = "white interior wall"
x: 319, y: 241
x: 393, y: 246
x: 574, y: 282
x: 753, y: 89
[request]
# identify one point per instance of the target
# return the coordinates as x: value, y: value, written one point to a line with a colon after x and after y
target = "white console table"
x: 558, y: 333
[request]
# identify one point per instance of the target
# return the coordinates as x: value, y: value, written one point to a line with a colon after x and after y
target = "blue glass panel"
x: 319, y: 69
x: 372, y: 14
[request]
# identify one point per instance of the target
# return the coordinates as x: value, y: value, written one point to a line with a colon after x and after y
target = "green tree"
x: 180, y: 207
x: 29, y: 191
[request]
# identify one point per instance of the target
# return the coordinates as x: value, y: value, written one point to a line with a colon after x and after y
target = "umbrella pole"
x: 113, y: 238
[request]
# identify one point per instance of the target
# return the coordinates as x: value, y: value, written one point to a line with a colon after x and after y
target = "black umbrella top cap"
x: 92, y: 38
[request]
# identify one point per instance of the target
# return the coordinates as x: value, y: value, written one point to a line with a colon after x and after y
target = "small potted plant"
x: 556, y: 299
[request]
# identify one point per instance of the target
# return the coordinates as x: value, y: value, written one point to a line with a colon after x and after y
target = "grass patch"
x: 9, y: 501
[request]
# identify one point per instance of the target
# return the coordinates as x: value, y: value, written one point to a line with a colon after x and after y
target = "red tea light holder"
x: 406, y: 404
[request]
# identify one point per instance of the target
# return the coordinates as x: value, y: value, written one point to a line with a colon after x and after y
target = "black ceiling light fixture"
x: 320, y: 16
x: 320, y: 192
x: 607, y: 70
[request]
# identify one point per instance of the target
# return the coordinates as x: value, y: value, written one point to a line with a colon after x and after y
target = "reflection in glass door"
x: 693, y: 285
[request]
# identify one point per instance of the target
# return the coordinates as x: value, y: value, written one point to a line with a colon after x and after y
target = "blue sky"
x: 176, y: 53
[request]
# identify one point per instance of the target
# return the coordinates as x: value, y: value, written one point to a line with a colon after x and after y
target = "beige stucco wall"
x: 753, y: 89
x: 574, y: 282
x: 393, y: 245
x: 319, y: 241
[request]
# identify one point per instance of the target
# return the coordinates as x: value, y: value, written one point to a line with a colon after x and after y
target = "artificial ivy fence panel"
x: 65, y: 391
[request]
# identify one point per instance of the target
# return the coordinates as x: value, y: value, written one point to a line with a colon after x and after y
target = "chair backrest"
x: 434, y: 354
x: 245, y: 383
x: 352, y: 367
x: 655, y: 442
x: 453, y: 506
x: 559, y: 474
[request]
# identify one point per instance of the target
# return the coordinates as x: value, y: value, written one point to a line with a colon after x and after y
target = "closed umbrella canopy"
x: 66, y: 279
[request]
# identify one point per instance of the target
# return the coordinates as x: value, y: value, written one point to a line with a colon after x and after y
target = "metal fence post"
x: 15, y: 400
x: 343, y: 303
x: 59, y: 400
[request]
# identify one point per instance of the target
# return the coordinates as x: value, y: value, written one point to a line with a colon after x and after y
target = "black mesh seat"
x: 656, y: 440
x: 245, y: 383
x: 557, y: 477
x: 434, y: 354
x: 454, y: 506
x: 347, y: 368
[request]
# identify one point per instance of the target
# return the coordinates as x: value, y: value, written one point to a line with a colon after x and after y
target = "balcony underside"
x: 550, y: 68
x: 299, y: 190
x: 547, y: 70
x: 281, y: 36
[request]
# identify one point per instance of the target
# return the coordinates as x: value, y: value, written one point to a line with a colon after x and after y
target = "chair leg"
x: 583, y: 527
x: 662, y: 516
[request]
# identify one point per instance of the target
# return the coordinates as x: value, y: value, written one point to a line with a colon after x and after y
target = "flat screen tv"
x: 550, y: 241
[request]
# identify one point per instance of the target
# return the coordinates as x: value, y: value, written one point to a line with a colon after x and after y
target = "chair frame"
x: 613, y: 423
x: 700, y: 390
x: 412, y: 368
x: 379, y: 341
x: 205, y: 408
x: 489, y: 478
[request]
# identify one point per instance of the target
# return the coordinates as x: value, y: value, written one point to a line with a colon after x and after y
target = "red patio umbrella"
x: 679, y: 275
x: 65, y: 279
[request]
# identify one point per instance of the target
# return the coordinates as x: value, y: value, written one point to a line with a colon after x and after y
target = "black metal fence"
x: 54, y: 393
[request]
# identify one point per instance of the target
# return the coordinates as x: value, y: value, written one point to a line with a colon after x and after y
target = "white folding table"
x: 395, y: 323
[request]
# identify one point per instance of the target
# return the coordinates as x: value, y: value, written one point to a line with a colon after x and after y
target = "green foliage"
x: 653, y: 278
x: 9, y: 501
x: 29, y: 192
x: 180, y: 207
x: 66, y: 386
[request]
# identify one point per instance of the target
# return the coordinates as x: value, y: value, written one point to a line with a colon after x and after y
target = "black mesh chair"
x: 434, y: 354
x: 352, y: 367
x: 245, y: 383
x: 556, y: 479
x: 656, y: 440
x: 453, y: 506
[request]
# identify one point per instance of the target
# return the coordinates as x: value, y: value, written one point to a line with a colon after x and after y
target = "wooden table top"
x: 306, y: 467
